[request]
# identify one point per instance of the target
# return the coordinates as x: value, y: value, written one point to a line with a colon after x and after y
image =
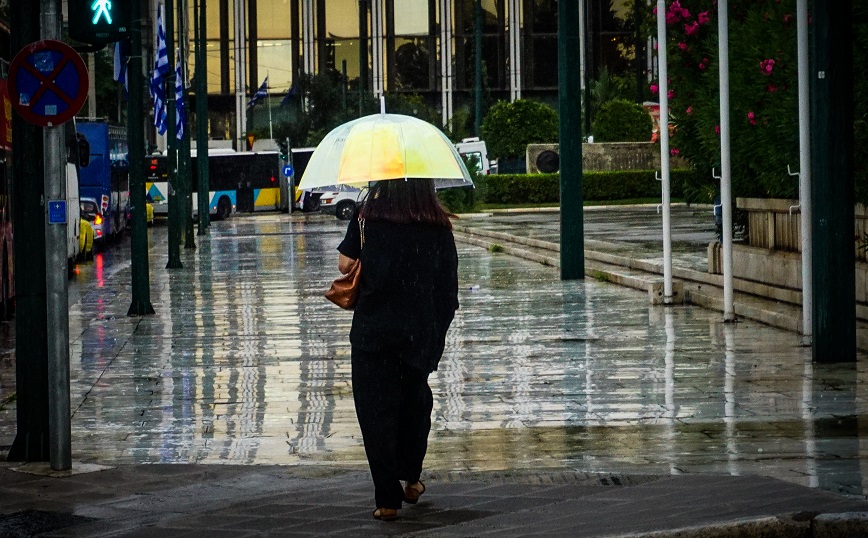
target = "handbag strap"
x: 362, y: 232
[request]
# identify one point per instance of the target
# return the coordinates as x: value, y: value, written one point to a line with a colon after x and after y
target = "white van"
x: 475, y: 148
x: 73, y: 216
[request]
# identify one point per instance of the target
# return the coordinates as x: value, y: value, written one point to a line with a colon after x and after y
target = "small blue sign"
x: 287, y: 170
x: 57, y: 212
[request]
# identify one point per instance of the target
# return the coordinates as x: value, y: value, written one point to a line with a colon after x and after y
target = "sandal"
x: 385, y: 514
x: 413, y: 491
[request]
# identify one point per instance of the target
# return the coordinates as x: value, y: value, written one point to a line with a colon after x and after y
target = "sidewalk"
x: 561, y: 408
x: 218, y: 500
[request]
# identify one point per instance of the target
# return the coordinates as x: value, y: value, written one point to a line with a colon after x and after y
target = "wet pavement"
x: 244, y: 363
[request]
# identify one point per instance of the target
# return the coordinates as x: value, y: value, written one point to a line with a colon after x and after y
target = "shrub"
x: 620, y: 120
x: 597, y: 186
x: 509, y: 127
x: 763, y: 93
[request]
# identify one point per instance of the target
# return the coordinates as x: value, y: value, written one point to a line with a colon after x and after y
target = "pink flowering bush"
x: 763, y: 94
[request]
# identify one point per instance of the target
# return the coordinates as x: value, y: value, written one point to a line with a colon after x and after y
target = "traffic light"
x: 284, y: 149
x: 98, y: 22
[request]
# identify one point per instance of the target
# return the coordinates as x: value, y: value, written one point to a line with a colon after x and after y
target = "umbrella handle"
x: 382, y: 104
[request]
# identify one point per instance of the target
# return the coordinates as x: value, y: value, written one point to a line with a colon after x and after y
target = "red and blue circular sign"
x: 47, y: 83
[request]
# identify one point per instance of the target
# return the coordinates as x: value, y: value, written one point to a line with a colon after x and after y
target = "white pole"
x: 240, y: 74
x: 663, y: 86
x: 268, y: 103
x: 805, y: 173
x: 725, y: 165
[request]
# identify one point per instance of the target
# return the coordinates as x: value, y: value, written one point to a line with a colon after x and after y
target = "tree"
x: 509, y: 127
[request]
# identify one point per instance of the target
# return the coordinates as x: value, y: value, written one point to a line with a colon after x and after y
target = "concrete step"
x: 773, y: 306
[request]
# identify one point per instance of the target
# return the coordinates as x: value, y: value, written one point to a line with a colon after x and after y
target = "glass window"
x: 274, y: 59
x: 272, y: 19
x: 545, y: 61
x: 411, y: 64
x: 411, y: 18
x: 342, y: 18
x: 339, y: 50
x: 545, y: 16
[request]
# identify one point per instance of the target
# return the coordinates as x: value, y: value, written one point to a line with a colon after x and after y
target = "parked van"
x: 475, y: 149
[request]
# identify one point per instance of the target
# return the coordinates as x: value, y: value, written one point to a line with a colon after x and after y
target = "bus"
x: 241, y: 182
x: 105, y: 177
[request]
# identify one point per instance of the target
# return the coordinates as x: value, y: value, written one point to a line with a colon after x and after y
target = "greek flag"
x: 181, y: 116
x: 161, y: 69
x: 120, y: 64
x: 160, y: 113
x: 162, y: 61
x: 260, y: 93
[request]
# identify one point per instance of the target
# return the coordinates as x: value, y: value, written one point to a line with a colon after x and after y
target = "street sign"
x: 47, y: 83
x: 57, y: 212
x: 287, y: 170
x: 98, y: 21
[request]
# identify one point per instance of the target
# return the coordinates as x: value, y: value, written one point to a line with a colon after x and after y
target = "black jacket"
x: 409, y: 289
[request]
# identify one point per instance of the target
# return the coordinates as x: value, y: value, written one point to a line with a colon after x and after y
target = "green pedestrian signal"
x: 98, y: 22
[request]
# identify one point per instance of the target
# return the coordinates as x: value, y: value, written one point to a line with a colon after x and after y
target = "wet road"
x: 246, y: 363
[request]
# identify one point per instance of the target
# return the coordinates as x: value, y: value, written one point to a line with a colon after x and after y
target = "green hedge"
x: 545, y: 188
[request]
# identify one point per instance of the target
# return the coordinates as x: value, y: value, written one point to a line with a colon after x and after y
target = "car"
x: 341, y: 200
x: 91, y: 212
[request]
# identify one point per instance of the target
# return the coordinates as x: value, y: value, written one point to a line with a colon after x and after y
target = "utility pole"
x: 57, y: 300
x: 832, y: 187
x: 201, y: 81
x: 570, y: 133
x: 141, y: 303
x: 176, y: 203
x: 28, y: 215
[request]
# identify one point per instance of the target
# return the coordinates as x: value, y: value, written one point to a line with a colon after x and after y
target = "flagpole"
x: 268, y: 100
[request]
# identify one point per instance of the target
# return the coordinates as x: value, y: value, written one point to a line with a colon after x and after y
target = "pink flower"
x: 704, y: 64
x: 704, y: 18
x: 771, y: 88
x: 766, y: 66
x: 654, y: 11
x: 689, y: 110
x: 674, y: 151
x: 717, y: 129
x: 670, y: 94
x: 751, y: 117
x: 672, y: 18
x: 682, y: 46
x: 788, y: 18
x: 692, y: 28
x: 655, y: 88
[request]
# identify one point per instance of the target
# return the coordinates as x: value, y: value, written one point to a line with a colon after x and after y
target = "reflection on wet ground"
x: 245, y: 362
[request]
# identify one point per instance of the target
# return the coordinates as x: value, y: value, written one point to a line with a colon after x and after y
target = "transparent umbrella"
x: 384, y: 147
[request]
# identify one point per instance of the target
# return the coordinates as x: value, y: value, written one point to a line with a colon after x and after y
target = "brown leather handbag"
x: 344, y: 291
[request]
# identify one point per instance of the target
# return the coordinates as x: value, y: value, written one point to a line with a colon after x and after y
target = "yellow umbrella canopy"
x: 383, y: 147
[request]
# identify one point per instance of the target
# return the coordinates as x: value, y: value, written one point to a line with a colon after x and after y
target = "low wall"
x: 602, y: 156
x: 772, y: 255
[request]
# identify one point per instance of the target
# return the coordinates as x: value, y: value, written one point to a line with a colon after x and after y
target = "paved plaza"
x: 574, y: 408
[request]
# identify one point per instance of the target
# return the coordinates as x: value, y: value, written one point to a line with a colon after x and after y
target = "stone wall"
x: 604, y: 156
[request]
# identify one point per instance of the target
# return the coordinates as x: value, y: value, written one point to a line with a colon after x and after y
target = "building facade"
x: 425, y: 47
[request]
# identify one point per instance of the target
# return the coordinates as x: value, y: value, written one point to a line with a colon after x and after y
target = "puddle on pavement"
x: 245, y: 362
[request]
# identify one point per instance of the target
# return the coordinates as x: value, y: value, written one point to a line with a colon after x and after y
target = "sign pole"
x: 31, y: 368
x: 141, y: 301
x: 57, y: 301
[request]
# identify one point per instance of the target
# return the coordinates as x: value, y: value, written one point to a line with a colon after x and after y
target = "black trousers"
x: 393, y: 405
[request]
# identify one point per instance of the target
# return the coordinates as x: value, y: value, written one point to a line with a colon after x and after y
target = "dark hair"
x: 405, y: 201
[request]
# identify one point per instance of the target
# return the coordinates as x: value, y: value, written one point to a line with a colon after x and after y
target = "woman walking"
x: 407, y: 299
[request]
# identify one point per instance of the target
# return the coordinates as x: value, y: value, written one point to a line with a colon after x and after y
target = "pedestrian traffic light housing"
x: 284, y: 149
x: 98, y: 22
